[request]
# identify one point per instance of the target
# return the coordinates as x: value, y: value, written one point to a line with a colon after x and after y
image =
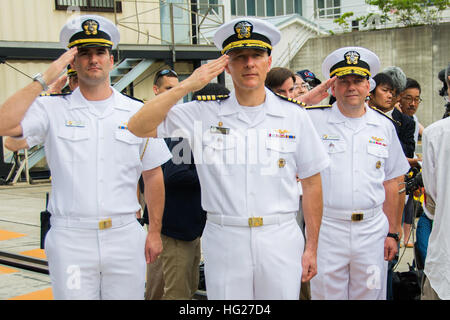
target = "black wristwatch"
x: 396, y: 236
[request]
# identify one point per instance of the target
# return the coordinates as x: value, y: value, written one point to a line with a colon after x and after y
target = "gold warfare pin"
x: 219, y: 130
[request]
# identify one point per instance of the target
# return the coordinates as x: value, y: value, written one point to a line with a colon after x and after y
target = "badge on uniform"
x: 219, y: 130
x: 281, y: 163
x: 280, y: 133
x: 75, y: 123
x: 378, y: 141
x: 330, y: 137
x: 123, y: 126
x: 378, y: 164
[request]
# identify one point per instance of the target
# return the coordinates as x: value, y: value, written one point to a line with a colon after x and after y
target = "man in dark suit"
x: 382, y: 98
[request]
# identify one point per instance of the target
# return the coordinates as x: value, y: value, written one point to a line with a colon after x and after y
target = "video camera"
x: 413, y: 180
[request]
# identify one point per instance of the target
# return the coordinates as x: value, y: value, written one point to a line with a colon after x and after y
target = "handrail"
x: 206, y: 17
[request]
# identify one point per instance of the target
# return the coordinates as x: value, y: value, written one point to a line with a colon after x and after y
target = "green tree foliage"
x: 343, y: 22
x: 408, y: 12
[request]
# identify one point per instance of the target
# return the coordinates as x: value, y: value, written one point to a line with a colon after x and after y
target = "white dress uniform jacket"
x: 247, y: 168
x: 94, y: 159
x: 361, y: 159
x: 436, y: 179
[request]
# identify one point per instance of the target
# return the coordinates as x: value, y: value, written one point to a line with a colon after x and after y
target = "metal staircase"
x: 22, y: 162
x: 127, y: 71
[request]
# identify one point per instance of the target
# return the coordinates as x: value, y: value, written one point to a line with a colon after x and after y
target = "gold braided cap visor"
x: 246, y: 44
x: 86, y: 42
x: 350, y: 70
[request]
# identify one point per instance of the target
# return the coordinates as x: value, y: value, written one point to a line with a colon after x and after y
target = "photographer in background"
x: 444, y: 76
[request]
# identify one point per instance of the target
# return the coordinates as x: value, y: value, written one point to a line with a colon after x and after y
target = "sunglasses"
x: 163, y: 73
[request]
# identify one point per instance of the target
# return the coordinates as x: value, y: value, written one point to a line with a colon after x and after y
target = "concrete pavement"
x: 20, y: 207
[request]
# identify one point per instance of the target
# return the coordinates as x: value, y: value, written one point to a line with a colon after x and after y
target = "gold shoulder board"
x: 291, y: 100
x: 384, y: 114
x: 46, y: 94
x: 131, y: 97
x: 326, y: 106
x: 210, y: 97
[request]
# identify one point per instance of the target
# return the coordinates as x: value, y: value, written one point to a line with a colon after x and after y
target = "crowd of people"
x: 284, y: 196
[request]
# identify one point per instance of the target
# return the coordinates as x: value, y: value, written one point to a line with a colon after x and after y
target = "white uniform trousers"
x: 350, y: 259
x: 248, y: 263
x: 90, y: 264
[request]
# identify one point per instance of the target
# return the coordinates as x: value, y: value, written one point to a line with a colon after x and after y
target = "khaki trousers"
x: 175, y: 274
x: 154, y: 289
x: 180, y: 264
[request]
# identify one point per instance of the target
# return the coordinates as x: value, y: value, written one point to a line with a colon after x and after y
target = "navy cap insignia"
x: 243, y: 29
x: 90, y: 27
x: 352, y: 57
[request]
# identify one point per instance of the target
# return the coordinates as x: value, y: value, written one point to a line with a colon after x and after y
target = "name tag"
x: 75, y: 123
x: 219, y: 130
x: 331, y: 137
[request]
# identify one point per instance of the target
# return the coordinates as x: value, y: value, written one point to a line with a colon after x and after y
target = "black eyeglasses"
x: 410, y: 99
x: 163, y: 73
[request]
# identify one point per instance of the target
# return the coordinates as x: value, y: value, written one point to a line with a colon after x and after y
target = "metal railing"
x: 196, y: 25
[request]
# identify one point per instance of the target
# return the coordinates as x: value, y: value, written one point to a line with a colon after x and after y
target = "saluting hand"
x: 318, y: 93
x: 204, y: 74
x: 59, y: 66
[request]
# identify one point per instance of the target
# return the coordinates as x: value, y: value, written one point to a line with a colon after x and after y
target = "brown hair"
x: 277, y: 76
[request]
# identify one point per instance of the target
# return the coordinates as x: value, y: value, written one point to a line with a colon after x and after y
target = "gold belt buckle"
x: 255, y: 221
x: 357, y: 216
x: 105, y: 224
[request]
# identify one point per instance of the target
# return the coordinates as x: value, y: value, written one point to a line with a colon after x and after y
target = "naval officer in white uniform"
x: 361, y: 220
x: 95, y: 247
x: 248, y: 148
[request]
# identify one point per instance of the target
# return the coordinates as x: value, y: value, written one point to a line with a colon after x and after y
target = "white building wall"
x: 32, y: 20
